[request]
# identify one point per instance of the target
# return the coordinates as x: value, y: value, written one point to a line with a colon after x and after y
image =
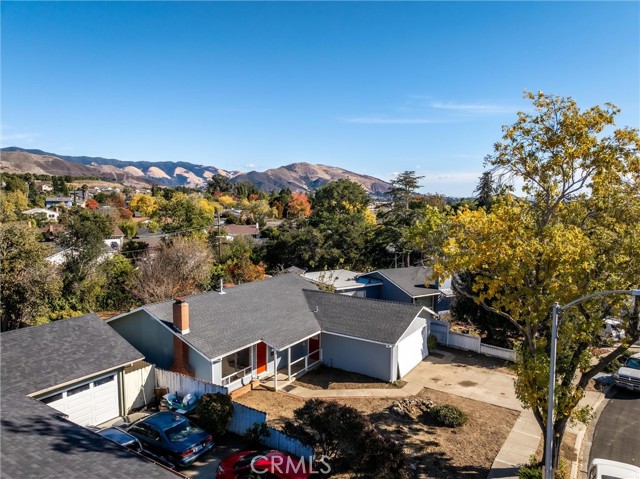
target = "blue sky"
x: 376, y: 88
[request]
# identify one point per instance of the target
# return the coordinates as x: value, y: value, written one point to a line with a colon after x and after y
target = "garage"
x: 412, y: 350
x: 88, y: 403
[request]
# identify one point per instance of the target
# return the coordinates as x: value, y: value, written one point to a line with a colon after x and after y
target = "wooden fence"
x: 183, y: 384
x: 244, y: 417
x: 139, y: 381
x: 468, y: 342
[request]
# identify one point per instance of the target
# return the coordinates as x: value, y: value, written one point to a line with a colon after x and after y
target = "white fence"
x: 139, y: 381
x: 183, y: 384
x: 496, y: 352
x: 244, y: 417
x: 464, y: 341
x: 468, y: 342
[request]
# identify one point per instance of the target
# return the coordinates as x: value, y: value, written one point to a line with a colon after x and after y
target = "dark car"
x: 172, y: 437
x: 263, y: 465
x: 124, y: 439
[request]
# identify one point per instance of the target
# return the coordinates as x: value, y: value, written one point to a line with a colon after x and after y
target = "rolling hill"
x: 303, y: 177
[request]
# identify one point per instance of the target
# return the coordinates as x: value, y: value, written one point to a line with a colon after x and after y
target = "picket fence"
x: 468, y: 342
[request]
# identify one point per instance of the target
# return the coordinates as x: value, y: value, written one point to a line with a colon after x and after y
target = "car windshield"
x: 633, y: 363
x: 181, y: 431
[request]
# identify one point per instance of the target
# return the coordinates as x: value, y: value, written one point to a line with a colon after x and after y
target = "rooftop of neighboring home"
x: 340, y: 279
x: 240, y: 230
x: 34, y: 211
x: 58, y: 199
x: 37, y: 440
x: 414, y: 280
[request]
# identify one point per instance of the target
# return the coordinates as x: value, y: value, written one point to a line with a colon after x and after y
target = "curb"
x: 578, y: 446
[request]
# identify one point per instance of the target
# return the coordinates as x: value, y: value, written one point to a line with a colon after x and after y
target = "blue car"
x: 172, y: 437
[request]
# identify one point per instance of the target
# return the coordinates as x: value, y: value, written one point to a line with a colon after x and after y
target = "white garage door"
x: 90, y: 403
x: 412, y: 350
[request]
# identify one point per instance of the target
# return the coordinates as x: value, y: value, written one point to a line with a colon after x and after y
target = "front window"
x: 633, y: 363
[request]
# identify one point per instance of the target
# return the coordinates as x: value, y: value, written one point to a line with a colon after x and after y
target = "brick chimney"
x: 181, y: 357
x: 181, y: 315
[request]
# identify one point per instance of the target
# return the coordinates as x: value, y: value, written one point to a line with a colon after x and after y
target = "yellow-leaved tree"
x: 575, y: 232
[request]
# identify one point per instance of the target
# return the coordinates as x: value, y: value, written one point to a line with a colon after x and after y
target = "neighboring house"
x: 116, y: 240
x: 52, y: 231
x: 46, y: 188
x: 408, y: 285
x: 282, y: 323
x: 51, y: 201
x: 57, y: 378
x: 59, y: 255
x: 49, y: 214
x: 241, y: 230
x: 343, y: 281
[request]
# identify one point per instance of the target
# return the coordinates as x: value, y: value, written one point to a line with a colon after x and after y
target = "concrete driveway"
x: 449, y: 373
x: 206, y: 466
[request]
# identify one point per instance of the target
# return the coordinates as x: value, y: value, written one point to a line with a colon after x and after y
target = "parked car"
x: 606, y: 469
x: 173, y: 437
x: 263, y: 465
x: 628, y: 376
x: 124, y: 439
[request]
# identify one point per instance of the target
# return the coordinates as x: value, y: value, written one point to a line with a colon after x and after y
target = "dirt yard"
x: 439, y: 452
x: 324, y: 377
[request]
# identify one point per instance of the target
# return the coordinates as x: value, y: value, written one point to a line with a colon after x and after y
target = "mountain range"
x: 304, y: 177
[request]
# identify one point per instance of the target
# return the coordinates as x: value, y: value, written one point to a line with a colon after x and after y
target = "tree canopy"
x: 575, y: 233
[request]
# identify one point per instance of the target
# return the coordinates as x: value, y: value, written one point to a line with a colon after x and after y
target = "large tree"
x: 576, y: 233
x: 29, y: 281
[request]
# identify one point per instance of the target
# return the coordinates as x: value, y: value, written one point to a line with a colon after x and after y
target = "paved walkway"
x: 474, y: 382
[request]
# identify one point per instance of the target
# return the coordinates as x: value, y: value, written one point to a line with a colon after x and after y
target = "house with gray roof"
x: 57, y: 378
x: 341, y: 281
x: 414, y: 284
x: 282, y: 324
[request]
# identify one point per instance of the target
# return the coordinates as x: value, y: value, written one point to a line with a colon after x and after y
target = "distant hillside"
x: 308, y: 177
x: 296, y: 176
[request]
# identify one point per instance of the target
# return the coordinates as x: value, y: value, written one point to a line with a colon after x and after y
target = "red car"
x: 263, y: 465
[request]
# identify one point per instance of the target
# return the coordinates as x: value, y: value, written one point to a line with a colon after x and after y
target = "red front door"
x: 261, y: 359
x: 314, y: 345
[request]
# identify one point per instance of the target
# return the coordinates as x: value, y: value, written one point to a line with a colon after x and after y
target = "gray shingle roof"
x: 40, y: 357
x: 339, y: 278
x: 274, y: 310
x: 375, y: 320
x: 36, y: 441
x: 413, y: 280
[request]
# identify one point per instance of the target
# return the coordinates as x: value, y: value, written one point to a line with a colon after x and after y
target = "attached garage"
x: 89, y: 403
x: 412, y: 349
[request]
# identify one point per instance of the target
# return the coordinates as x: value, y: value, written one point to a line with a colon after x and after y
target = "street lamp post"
x: 556, y: 310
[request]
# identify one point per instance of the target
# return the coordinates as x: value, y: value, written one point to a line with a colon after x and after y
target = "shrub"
x: 448, y: 415
x: 256, y: 434
x: 432, y: 342
x: 533, y: 470
x: 348, y: 439
x: 214, y: 412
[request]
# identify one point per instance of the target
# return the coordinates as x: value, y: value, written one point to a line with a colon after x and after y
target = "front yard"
x: 440, y: 452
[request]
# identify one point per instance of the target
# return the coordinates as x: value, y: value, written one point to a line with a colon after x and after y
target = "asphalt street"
x: 617, y: 433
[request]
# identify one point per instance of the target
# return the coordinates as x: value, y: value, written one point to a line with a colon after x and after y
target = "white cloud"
x: 487, y: 108
x: 250, y: 165
x: 24, y: 137
x: 375, y: 120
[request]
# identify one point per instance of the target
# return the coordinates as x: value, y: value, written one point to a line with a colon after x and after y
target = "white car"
x: 606, y: 469
x: 628, y: 376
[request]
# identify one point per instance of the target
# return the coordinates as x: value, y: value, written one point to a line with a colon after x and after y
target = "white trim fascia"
x: 218, y: 358
x: 300, y: 340
x: 121, y: 315
x: 95, y: 375
x: 359, y: 339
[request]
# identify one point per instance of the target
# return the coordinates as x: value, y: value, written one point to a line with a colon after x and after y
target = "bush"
x: 448, y: 415
x: 533, y: 470
x: 432, y: 342
x: 348, y: 439
x: 256, y: 434
x: 214, y: 412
